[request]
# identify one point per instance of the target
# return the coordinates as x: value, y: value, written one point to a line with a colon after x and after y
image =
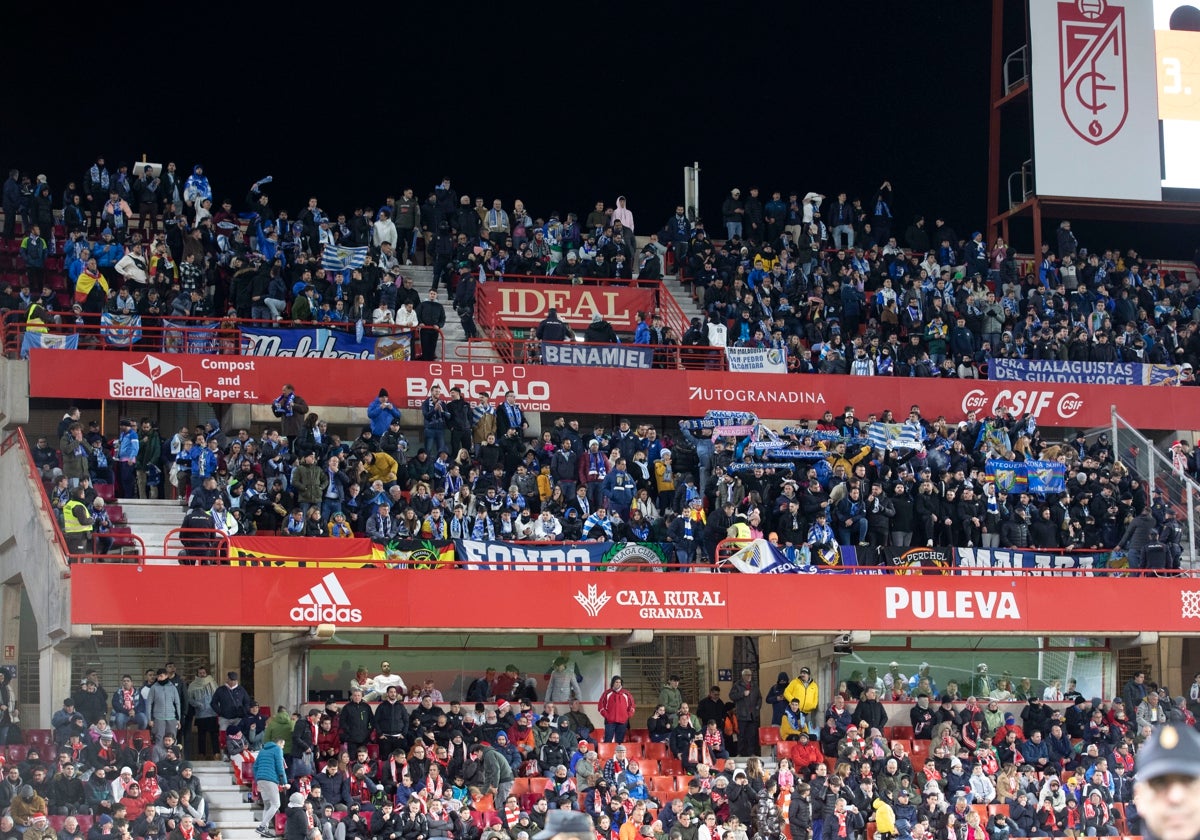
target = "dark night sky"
x: 557, y: 104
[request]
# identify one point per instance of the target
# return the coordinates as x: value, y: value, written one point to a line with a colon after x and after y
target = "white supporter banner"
x: 756, y: 359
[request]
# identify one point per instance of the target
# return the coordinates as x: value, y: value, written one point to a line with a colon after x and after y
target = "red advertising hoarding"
x: 526, y: 304
x: 109, y: 375
x: 279, y: 597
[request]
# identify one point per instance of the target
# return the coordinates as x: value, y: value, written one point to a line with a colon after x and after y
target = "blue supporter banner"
x: 1027, y: 476
x: 593, y: 355
x: 760, y: 557
x: 341, y: 258
x: 899, y: 435
x: 121, y: 330
x: 48, y: 341
x: 1084, y: 373
x: 190, y: 338
x: 308, y: 343
x: 1008, y: 561
x: 488, y: 555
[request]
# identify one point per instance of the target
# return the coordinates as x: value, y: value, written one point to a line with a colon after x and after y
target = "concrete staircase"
x: 456, y: 341
x: 227, y: 805
x: 151, y: 520
x: 683, y: 297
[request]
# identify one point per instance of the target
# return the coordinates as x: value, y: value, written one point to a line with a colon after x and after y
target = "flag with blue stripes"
x: 900, y: 435
x: 121, y: 330
x: 341, y: 258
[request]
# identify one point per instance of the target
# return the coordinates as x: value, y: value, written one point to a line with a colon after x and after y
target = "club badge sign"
x: 1093, y: 74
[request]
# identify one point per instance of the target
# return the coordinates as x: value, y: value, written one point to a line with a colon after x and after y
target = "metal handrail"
x: 1019, y: 56
x: 226, y: 333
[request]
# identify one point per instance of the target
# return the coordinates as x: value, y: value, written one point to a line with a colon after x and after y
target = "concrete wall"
x: 30, y: 557
x: 14, y: 393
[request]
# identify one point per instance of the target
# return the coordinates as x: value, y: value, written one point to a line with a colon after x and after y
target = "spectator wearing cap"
x: 232, y: 702
x: 1167, y: 789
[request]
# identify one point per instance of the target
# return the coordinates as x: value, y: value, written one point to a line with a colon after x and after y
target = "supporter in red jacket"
x: 616, y: 706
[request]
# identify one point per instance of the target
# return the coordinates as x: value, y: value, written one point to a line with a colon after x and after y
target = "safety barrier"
x: 527, y: 351
x: 204, y: 336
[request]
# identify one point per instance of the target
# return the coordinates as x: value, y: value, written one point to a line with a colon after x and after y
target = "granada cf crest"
x: 1092, y: 68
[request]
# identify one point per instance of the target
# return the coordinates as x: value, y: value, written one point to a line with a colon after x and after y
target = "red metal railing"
x: 184, y: 335
x: 527, y: 351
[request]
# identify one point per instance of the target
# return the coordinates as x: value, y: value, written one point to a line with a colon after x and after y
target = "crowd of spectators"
x: 1061, y: 765
x: 838, y: 285
x: 390, y: 760
x: 480, y: 474
x: 101, y: 762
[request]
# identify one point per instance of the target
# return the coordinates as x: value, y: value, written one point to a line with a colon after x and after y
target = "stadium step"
x: 227, y: 805
x: 152, y: 520
x: 683, y: 297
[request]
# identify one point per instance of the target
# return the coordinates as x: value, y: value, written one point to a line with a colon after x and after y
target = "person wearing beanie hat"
x: 291, y: 409
x: 297, y: 819
x: 381, y: 412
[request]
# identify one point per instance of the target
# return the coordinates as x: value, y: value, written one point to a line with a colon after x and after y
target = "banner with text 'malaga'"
x: 153, y: 376
x: 116, y: 595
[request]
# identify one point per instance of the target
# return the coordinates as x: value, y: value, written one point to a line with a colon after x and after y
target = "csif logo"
x: 1023, y: 402
x: 326, y: 602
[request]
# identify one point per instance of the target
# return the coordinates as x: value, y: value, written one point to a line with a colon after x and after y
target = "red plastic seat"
x: 117, y: 514
x: 656, y: 751
x: 108, y: 492
x: 663, y: 784
x: 768, y: 736
x: 122, y: 537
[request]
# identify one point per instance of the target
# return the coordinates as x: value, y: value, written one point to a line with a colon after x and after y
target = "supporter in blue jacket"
x: 381, y: 412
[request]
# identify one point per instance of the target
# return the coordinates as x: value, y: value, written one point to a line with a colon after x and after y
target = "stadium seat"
x: 639, y: 736
x: 520, y: 786
x: 783, y: 749
x: 117, y: 514
x: 38, y: 737
x: 768, y: 736
x: 17, y: 752
x: 656, y: 751
x: 1120, y: 820
x: 670, y: 766
x: 902, y: 733
x: 605, y: 751
x: 122, y: 537
x: 997, y: 809
x: 663, y: 784
x: 108, y: 492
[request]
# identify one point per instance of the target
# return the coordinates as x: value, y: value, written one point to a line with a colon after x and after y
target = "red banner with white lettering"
x: 526, y: 304
x: 169, y: 377
x: 267, y: 597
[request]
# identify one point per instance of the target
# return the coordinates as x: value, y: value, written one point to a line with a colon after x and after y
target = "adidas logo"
x: 326, y: 602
